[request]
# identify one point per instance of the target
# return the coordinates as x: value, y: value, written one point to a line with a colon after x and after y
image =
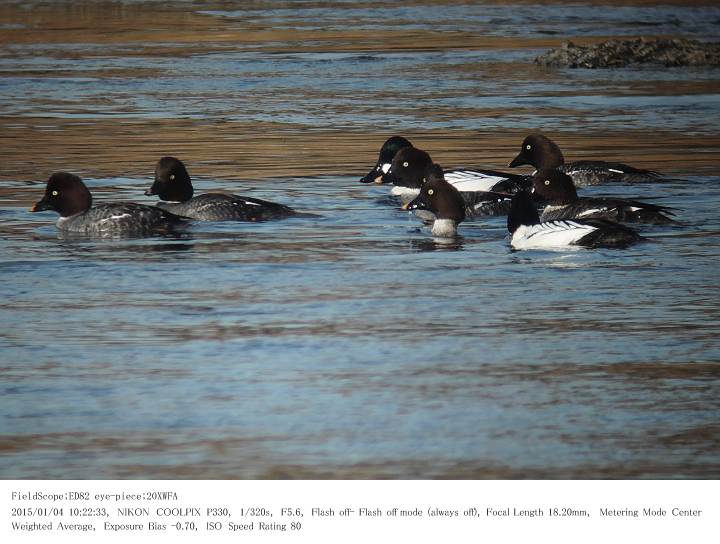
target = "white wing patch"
x: 616, y: 171
x: 106, y: 222
x: 591, y: 211
x: 553, y: 234
x: 470, y: 180
x: 550, y: 208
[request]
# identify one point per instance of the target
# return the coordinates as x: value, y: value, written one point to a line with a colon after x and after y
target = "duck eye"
x: 431, y: 192
x: 528, y: 147
x: 54, y: 193
x: 547, y: 182
x: 172, y: 177
x: 405, y: 164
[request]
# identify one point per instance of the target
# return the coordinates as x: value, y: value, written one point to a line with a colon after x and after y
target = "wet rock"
x: 618, y: 53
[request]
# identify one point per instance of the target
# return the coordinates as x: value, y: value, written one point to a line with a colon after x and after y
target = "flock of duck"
x: 543, y: 209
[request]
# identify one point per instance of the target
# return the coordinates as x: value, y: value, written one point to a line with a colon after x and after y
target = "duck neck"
x: 444, y: 227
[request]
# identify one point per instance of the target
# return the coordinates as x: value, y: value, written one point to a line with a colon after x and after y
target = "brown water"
x: 349, y: 345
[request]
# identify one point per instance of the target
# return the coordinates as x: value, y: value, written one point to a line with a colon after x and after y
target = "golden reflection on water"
x: 34, y: 146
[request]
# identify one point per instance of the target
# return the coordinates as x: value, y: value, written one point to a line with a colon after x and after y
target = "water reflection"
x: 438, y: 244
x: 271, y: 101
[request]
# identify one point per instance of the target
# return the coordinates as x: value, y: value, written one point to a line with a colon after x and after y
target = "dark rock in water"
x: 617, y: 53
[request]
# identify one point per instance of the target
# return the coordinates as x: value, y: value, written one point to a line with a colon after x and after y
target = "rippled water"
x: 350, y: 344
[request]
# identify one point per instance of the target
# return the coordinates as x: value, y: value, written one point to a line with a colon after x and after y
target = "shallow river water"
x: 350, y: 343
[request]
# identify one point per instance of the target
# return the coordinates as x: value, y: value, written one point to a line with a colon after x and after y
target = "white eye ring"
x: 547, y: 182
x: 54, y: 193
x: 405, y: 164
x: 172, y: 177
x: 528, y: 147
x: 431, y: 192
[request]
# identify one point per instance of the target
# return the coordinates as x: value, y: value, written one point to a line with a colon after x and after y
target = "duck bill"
x: 374, y: 176
x: 41, y: 206
x: 518, y: 161
x: 152, y: 190
x: 390, y: 177
x: 416, y: 204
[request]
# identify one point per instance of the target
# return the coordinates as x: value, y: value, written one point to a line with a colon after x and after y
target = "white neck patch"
x: 444, y: 228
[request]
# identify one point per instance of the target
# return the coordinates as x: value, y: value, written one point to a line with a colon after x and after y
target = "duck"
x: 388, y: 150
x: 67, y: 194
x: 174, y: 187
x: 441, y: 199
x: 541, y: 152
x: 557, y: 190
x: 465, y: 180
x: 528, y: 232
